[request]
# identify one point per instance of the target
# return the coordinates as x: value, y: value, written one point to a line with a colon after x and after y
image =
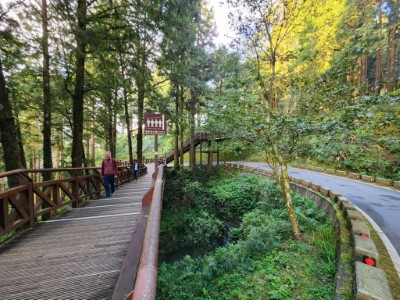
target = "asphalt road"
x: 381, y: 204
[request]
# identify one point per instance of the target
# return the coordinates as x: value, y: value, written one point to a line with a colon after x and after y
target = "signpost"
x: 155, y: 124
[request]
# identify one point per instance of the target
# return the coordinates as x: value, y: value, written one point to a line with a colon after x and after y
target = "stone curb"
x: 330, y: 171
x: 371, y: 283
x: 364, y: 248
x: 383, y: 181
x: 367, y: 178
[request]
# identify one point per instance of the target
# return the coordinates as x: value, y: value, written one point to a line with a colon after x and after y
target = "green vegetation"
x: 230, y: 238
x: 315, y: 81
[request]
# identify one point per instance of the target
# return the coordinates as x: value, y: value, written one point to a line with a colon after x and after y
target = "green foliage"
x: 199, y: 206
x: 260, y: 260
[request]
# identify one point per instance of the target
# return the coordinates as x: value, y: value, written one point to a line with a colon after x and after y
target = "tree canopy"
x: 315, y: 81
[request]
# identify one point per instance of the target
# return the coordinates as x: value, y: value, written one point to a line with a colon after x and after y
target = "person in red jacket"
x: 109, y: 171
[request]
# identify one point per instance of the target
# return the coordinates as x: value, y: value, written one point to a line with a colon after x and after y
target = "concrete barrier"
x: 367, y: 178
x: 341, y: 173
x: 383, y: 181
x: 346, y: 206
x: 396, y: 184
x: 299, y: 181
x: 354, y: 175
x: 359, y: 227
x: 318, y: 169
x: 316, y: 187
x: 354, y: 215
x: 324, y: 191
x: 307, y: 183
x: 334, y: 196
x: 342, y: 199
x: 371, y: 283
x: 330, y: 171
x: 365, y: 251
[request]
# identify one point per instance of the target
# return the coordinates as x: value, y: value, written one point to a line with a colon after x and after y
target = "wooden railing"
x: 138, y: 276
x: 26, y: 197
x: 199, y: 138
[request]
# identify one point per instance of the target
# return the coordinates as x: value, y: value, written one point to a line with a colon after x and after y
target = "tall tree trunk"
x: 109, y: 124
x: 363, y: 69
x: 85, y: 161
x: 192, y: 152
x: 87, y: 156
x: 285, y: 185
x: 92, y: 137
x: 58, y: 153
x: 139, y: 142
x: 209, y: 155
x: 181, y: 131
x: 379, y: 58
x: 77, y: 131
x: 62, y: 150
x: 114, y: 125
x: 273, y: 100
x: 19, y: 133
x: 126, y: 110
x: 47, y: 156
x: 20, y: 142
x: 8, y: 133
x: 391, y: 58
x: 176, y: 133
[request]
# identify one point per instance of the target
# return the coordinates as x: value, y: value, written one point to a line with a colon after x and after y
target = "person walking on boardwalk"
x: 109, y: 171
x: 135, y: 169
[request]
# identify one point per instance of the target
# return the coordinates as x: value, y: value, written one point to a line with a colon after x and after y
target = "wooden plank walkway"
x: 76, y: 256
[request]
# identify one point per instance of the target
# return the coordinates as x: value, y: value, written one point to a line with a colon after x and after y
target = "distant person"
x: 109, y: 171
x: 135, y: 169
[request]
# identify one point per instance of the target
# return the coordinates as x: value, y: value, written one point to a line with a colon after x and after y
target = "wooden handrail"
x: 146, y: 278
x: 27, y: 200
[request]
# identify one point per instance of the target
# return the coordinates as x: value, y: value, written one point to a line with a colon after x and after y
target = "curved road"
x: 380, y: 203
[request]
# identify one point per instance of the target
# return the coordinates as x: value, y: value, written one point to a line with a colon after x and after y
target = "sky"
x: 221, y: 12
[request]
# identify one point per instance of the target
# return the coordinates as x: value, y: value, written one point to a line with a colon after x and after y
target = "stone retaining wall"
x: 359, y: 274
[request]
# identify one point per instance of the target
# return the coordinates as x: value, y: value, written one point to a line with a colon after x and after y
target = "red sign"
x: 155, y: 124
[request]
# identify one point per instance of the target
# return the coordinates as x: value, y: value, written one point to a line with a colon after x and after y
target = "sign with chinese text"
x: 155, y: 124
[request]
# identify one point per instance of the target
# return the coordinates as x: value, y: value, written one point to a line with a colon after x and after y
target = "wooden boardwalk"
x: 76, y: 256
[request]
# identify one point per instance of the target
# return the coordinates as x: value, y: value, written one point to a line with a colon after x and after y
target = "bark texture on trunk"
x: 176, y: 133
x: 77, y: 111
x: 192, y: 152
x: 391, y: 59
x: 181, y: 128
x: 20, y: 143
x: 8, y: 132
x: 126, y: 111
x: 379, y: 57
x: 285, y: 185
x: 92, y: 137
x: 139, y: 142
x: 47, y: 153
x: 363, y: 70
